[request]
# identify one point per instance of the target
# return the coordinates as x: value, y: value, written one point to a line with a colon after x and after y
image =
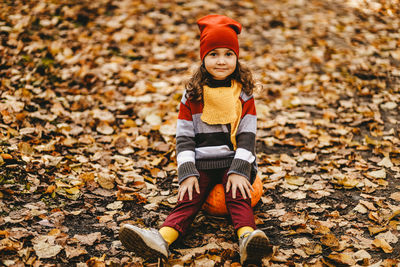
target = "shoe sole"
x: 135, y: 242
x: 257, y: 248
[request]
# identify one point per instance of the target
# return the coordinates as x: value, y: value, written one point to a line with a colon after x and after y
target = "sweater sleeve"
x: 246, y: 139
x: 185, y: 143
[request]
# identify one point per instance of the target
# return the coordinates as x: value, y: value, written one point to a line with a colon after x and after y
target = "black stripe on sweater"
x: 213, y: 139
x: 247, y: 141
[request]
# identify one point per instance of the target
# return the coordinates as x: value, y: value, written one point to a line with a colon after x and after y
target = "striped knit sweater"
x: 201, y: 146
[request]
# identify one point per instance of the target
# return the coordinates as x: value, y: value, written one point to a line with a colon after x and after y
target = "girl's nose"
x: 221, y: 60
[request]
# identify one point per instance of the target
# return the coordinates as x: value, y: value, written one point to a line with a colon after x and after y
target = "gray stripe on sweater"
x: 248, y: 124
x: 245, y: 97
x: 202, y: 127
x: 184, y: 128
x: 184, y: 143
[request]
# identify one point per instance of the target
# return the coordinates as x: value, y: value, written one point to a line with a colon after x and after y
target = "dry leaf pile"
x: 89, y: 100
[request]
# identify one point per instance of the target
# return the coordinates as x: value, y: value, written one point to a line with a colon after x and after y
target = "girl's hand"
x: 187, y: 185
x: 237, y: 181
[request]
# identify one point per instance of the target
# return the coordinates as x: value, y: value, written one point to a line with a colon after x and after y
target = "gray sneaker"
x: 254, y: 247
x: 145, y: 243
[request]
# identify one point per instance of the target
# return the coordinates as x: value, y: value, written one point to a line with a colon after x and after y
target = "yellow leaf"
x: 87, y: 176
x: 61, y: 184
x: 395, y: 213
x: 50, y: 189
x: 54, y: 232
x: 371, y: 141
x: 72, y: 191
x: 96, y: 262
x: 375, y: 217
x: 348, y: 182
x: 321, y: 229
x: 380, y: 243
x: 6, y: 156
x: 149, y: 179
x: 373, y: 230
x: 4, y: 233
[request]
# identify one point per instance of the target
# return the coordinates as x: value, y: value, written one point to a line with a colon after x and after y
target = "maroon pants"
x: 239, y: 209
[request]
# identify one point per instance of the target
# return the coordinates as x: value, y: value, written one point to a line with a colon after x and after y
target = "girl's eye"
x: 213, y: 54
x: 229, y: 54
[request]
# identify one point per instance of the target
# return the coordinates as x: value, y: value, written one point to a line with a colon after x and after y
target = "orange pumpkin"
x: 215, y: 202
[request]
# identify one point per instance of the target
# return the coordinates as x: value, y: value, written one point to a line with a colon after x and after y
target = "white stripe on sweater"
x: 244, y: 154
x: 185, y: 156
x: 213, y: 152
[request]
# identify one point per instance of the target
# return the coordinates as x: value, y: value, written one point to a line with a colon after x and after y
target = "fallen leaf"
x: 106, y: 180
x: 104, y: 128
x: 88, y: 239
x: 380, y: 243
x: 379, y: 174
x: 295, y: 195
x: 395, y: 196
x: 330, y: 240
x: 295, y: 180
x: 115, y: 205
x: 362, y: 255
x: 342, y: 259
x: 45, y: 246
x: 72, y: 252
x: 385, y: 162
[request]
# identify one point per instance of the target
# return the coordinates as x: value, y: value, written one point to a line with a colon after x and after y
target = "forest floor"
x: 89, y: 100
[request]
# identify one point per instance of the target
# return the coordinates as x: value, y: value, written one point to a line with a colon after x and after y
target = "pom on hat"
x: 218, y: 31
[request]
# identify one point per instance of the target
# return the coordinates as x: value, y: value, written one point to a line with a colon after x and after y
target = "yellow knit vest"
x: 222, y: 106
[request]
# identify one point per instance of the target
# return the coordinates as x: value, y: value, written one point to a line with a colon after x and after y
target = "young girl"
x: 215, y: 137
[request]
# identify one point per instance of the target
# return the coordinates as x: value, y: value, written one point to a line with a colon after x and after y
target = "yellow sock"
x: 169, y: 234
x: 243, y: 230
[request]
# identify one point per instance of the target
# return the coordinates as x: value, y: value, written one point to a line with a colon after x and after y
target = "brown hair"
x: 194, y: 87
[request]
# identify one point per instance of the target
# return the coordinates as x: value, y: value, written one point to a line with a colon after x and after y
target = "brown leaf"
x: 342, y: 259
x: 7, y: 244
x: 88, y: 239
x: 106, y: 180
x: 72, y: 252
x: 395, y: 196
x: 330, y: 240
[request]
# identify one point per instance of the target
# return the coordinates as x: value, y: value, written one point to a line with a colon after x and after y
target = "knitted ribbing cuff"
x: 240, y: 167
x: 186, y: 170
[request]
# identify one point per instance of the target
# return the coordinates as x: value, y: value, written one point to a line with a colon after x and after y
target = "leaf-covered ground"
x: 88, y: 103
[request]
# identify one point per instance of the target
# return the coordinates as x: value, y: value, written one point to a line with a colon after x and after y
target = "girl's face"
x: 220, y: 63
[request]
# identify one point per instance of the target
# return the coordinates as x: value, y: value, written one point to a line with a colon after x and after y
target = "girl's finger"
x: 228, y: 185
x: 190, y: 191
x: 197, y: 187
x: 233, y: 191
x: 182, y: 194
x: 242, y: 190
x: 248, y: 191
x: 250, y: 185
